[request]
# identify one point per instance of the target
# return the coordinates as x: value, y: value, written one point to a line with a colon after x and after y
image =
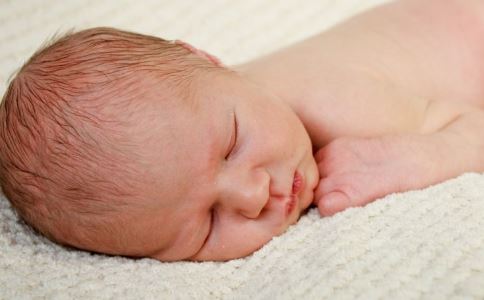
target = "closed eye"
x: 233, y: 139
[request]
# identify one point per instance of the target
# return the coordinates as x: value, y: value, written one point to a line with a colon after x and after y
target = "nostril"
x: 254, y: 197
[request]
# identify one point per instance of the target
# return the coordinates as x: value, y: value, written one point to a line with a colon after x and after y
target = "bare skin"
x: 388, y: 100
x: 391, y: 100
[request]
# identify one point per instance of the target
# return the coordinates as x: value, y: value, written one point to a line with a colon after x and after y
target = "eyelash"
x: 236, y: 125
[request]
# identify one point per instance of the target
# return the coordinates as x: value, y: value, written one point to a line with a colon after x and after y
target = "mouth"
x: 297, y: 183
x: 297, y: 187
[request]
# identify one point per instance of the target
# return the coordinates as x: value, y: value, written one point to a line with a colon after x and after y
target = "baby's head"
x: 127, y: 144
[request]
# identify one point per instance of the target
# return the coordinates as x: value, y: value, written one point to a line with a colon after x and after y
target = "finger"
x: 326, y: 163
x: 320, y: 154
x: 324, y: 170
x: 325, y: 186
x: 332, y: 203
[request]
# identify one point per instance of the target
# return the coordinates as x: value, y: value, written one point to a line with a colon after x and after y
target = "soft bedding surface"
x: 426, y: 243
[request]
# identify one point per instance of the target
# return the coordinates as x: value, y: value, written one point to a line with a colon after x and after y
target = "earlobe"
x: 200, y: 53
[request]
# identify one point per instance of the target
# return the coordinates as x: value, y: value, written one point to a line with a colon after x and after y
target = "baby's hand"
x: 356, y: 171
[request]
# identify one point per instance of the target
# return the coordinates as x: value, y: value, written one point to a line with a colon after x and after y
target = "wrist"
x: 462, y: 141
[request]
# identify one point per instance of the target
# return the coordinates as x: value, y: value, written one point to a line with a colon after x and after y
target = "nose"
x: 245, y: 193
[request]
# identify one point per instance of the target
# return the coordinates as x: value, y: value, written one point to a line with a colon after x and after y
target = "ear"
x: 200, y: 53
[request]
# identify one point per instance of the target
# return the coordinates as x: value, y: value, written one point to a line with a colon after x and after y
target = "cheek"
x: 285, y: 124
x: 238, y: 239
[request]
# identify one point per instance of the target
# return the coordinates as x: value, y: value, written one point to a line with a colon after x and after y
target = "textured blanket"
x: 426, y: 243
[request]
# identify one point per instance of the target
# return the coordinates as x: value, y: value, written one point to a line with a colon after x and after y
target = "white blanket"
x: 419, y: 244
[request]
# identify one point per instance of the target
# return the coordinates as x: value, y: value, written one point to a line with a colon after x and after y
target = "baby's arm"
x: 356, y: 171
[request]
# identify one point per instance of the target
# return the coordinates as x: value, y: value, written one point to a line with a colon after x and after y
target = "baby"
x: 127, y: 144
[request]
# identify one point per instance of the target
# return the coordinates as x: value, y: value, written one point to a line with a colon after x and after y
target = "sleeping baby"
x: 127, y: 144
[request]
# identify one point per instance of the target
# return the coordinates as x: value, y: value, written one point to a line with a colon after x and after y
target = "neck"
x: 290, y: 95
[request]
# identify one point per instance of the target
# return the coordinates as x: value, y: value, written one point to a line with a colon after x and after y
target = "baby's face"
x: 229, y: 173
